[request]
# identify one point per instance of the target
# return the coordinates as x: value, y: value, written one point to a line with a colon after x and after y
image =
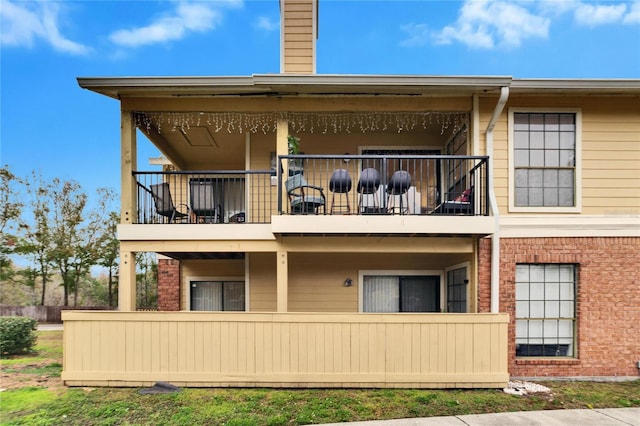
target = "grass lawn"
x: 35, y: 396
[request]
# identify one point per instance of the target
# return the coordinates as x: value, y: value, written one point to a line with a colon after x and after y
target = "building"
x: 431, y: 232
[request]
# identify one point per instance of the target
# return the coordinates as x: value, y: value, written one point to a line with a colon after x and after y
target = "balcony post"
x: 282, y: 148
x: 128, y: 161
x: 127, y: 282
x: 282, y: 281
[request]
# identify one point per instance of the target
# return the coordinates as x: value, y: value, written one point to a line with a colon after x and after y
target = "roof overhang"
x: 345, y: 84
x: 291, y: 85
x: 576, y: 86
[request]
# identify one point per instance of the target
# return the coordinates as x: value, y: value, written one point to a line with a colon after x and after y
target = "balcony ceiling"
x: 203, y: 255
x: 207, y: 147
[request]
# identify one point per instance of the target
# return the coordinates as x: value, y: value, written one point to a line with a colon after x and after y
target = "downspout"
x: 493, y: 204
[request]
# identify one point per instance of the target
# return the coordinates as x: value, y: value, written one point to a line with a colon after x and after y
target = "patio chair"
x: 301, y: 200
x: 203, y: 204
x: 397, y: 189
x: 463, y: 204
x: 163, y: 202
x: 368, y: 185
x: 340, y: 183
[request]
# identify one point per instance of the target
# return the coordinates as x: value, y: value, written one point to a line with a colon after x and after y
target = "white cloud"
x: 187, y: 17
x: 264, y: 23
x: 633, y: 17
x: 418, y: 35
x: 592, y: 15
x: 486, y: 24
x: 507, y: 23
x: 24, y: 23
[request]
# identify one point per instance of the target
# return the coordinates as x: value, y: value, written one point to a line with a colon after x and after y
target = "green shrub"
x: 17, y: 335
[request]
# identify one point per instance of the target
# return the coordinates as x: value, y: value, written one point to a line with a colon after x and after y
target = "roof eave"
x: 576, y: 86
x: 293, y: 84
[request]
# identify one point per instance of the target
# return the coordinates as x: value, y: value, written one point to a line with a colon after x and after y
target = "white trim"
x: 493, y: 201
x: 569, y: 226
x: 398, y: 272
x: 467, y: 266
x: 189, y: 280
x: 578, y: 162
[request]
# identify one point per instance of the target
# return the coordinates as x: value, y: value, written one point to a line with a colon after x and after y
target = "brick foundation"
x: 168, y: 285
x: 608, y: 301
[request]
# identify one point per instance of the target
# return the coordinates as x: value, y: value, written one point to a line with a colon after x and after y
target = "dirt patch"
x: 42, y: 374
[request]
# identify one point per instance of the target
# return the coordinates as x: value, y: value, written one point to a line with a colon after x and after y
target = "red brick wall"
x: 608, y: 301
x: 168, y: 285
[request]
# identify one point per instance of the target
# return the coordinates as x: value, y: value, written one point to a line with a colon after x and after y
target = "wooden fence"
x: 285, y: 349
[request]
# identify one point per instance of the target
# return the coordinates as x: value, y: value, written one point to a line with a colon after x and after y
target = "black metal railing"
x: 221, y: 196
x: 318, y: 184
x: 383, y: 184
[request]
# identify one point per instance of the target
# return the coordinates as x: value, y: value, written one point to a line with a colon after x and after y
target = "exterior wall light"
x: 348, y: 282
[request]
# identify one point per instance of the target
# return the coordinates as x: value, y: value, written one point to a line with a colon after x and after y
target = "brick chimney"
x: 298, y: 34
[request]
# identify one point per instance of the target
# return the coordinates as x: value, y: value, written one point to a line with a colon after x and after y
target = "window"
x: 544, y: 152
x: 408, y: 293
x: 217, y: 296
x: 545, y: 310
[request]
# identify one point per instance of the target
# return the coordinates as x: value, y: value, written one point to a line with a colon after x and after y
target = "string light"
x: 301, y: 122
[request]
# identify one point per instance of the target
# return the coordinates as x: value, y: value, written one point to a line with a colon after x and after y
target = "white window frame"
x: 395, y: 273
x: 578, y: 162
x: 190, y: 280
x: 466, y: 265
x: 574, y: 319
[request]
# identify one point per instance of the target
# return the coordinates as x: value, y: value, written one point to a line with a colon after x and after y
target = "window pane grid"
x: 544, y: 159
x: 545, y: 310
x: 457, y: 290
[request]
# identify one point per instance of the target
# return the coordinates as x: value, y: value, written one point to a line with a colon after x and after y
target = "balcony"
x: 205, y: 197
x: 390, y: 194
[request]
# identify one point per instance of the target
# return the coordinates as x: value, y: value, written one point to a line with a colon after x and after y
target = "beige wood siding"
x: 261, y: 148
x: 298, y: 36
x: 262, y: 282
x: 283, y: 350
x: 316, y: 280
x: 610, y: 150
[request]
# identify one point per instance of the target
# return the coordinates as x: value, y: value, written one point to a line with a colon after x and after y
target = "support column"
x: 282, y: 281
x: 128, y: 162
x: 127, y: 282
x: 282, y: 148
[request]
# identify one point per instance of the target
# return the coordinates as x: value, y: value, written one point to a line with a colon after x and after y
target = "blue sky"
x: 48, y: 123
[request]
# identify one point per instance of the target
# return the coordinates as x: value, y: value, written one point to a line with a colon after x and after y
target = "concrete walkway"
x: 50, y: 327
x: 599, y: 417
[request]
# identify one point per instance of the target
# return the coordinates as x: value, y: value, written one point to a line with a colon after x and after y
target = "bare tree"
x: 109, y: 247
x: 36, y: 232
x: 10, y: 209
x: 68, y: 202
x: 147, y: 280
